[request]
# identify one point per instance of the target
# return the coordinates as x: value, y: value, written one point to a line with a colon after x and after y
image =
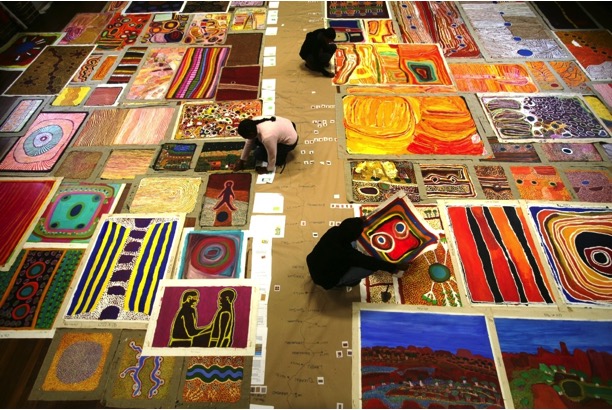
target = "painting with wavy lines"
x: 591, y: 49
x: 207, y: 29
x: 493, y: 78
x: 576, y: 243
x: 160, y: 194
x: 121, y: 31
x: 447, y: 181
x: 402, y: 125
x: 537, y: 118
x: 497, y: 255
x: 165, y: 28
x: 435, y: 22
x: 84, y: 28
x: 399, y: 64
x: 120, y: 273
x: 214, y: 379
x: 155, y: 75
x: 198, y: 74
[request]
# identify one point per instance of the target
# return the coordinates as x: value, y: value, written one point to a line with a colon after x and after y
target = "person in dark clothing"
x: 318, y: 49
x: 334, y: 262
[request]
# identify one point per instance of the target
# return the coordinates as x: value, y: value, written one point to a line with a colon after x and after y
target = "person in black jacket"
x: 318, y: 49
x: 334, y: 262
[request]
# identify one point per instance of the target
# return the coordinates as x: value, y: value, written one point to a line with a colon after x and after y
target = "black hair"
x: 248, y: 128
x: 330, y: 33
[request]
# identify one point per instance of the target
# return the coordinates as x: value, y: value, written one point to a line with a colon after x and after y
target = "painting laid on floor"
x: 119, y: 276
x: 577, y: 246
x: 422, y: 360
x: 566, y: 366
x: 497, y: 255
x: 203, y: 317
x: 226, y: 200
x: 403, y: 125
x: 377, y: 181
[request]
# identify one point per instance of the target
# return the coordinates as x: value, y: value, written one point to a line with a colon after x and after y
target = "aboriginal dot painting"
x: 569, y: 152
x: 207, y: 29
x: 540, y: 183
x: 377, y: 181
x: 576, y: 243
x: 40, y: 280
x: 121, y: 31
x: 84, y: 28
x: 212, y: 255
x: 222, y: 156
x: 352, y: 9
x: 125, y: 261
x: 161, y: 194
x: 174, y: 157
x: 24, y: 49
x: 165, y: 28
x: 447, y: 181
x: 74, y: 212
x: 591, y: 185
x: 493, y: 181
x: 591, y: 49
x: 226, y: 200
x: 542, y: 118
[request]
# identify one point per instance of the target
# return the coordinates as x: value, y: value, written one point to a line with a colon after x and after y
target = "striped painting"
x: 497, y: 255
x: 198, y: 75
x: 125, y: 261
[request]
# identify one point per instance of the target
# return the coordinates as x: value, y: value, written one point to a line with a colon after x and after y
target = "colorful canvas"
x: 71, y: 96
x: 543, y: 75
x: 381, y: 31
x: 155, y: 75
x: 87, y: 68
x: 576, y: 242
x: 565, y: 15
x: 400, y: 125
x: 127, y: 164
x: 239, y: 83
x: 425, y: 360
x: 447, y: 181
x: 600, y: 110
x: 435, y: 22
x: 493, y: 78
x: 430, y: 279
x: 121, y: 31
x: 393, y: 64
x: 540, y: 183
x: 24, y: 48
x: 213, y: 379
x: 396, y: 232
x: 139, y: 7
x: 20, y: 115
x: 44, y: 142
x: 572, y: 75
x: 51, y: 70
x: 208, y: 29
x: 105, y: 66
x: 211, y: 317
x: 165, y: 28
x: 198, y: 75
x: 591, y: 185
x: 174, y: 157
x: 235, y: 4
x: 128, y: 65
x: 74, y: 212
x: 75, y: 365
x: 104, y: 96
x: 222, y: 156
x: 356, y: 9
x: 135, y: 380
x: 226, y: 200
x: 156, y: 194
x: 84, y: 28
x: 206, y: 6
x: 497, y: 255
x: 22, y: 201
x: 212, y: 255
x: 119, y: 276
x: 377, y: 181
x: 591, y: 49
x: 39, y: 281
x: 246, y: 48
x: 513, y: 153
x: 78, y: 164
x: 569, y: 152
x: 564, y: 367
x: 347, y: 31
x: 507, y: 30
x: 134, y: 126
x: 493, y: 181
x: 214, y: 119
x: 542, y: 118
x: 249, y: 19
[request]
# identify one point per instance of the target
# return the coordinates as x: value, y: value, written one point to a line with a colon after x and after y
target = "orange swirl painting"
x: 402, y: 64
x: 402, y: 125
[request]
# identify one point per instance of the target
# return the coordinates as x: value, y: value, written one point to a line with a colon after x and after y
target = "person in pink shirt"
x: 272, y: 138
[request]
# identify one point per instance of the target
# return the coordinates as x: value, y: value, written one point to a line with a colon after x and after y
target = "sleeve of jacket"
x: 369, y: 262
